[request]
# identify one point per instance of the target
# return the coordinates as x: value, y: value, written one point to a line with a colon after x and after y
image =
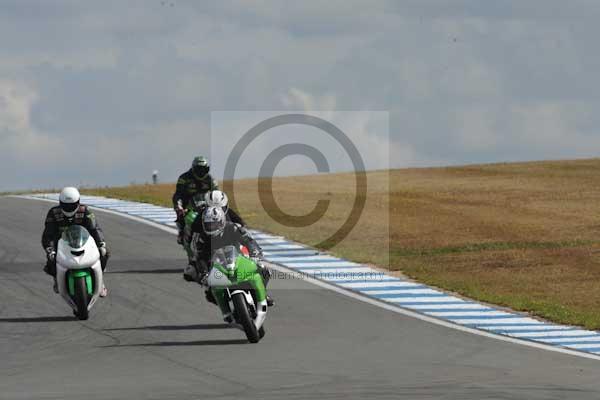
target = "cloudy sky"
x: 102, y: 93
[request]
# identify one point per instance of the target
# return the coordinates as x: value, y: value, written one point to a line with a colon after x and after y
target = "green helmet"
x: 200, y: 167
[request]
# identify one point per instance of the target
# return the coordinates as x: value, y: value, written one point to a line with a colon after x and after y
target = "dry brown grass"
x: 523, y: 235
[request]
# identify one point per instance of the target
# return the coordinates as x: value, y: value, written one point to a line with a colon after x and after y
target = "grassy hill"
x: 523, y: 235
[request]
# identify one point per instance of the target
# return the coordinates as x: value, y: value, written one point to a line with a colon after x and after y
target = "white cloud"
x: 21, y: 144
x: 298, y: 99
x: 554, y: 126
x: 16, y: 100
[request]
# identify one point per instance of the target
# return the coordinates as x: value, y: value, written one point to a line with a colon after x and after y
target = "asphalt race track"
x: 155, y: 337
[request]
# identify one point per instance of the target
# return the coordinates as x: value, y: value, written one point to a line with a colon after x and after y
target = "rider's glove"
x: 256, y: 253
x: 179, y: 210
x: 258, y: 259
x: 102, y: 249
x: 50, y: 254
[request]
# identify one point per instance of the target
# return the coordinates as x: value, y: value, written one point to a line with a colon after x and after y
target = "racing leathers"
x: 203, y: 246
x: 188, y: 232
x: 56, y: 223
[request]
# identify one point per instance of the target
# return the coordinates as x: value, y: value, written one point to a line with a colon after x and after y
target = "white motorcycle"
x: 78, y: 270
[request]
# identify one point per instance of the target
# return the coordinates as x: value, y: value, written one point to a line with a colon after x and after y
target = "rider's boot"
x: 190, y: 273
x: 203, y: 278
x: 210, y: 297
x: 270, y: 301
x: 195, y: 273
x: 202, y: 269
x: 50, y: 269
x: 103, y: 291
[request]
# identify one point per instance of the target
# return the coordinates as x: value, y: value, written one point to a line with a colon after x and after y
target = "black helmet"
x: 200, y: 167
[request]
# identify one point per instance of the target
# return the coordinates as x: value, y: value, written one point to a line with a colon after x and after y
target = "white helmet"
x: 213, y: 221
x: 69, y: 201
x: 216, y: 198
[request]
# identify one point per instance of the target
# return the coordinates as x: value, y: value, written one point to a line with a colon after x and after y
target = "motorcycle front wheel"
x: 81, y: 298
x: 242, y: 316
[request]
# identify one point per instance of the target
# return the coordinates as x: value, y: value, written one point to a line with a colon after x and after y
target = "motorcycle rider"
x: 213, y: 231
x: 70, y: 212
x: 214, y: 198
x: 196, y: 181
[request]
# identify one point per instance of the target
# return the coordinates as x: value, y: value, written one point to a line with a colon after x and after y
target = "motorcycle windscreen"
x: 76, y: 236
x: 226, y: 256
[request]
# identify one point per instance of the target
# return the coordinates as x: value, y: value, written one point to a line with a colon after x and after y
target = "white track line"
x: 444, y: 299
x: 368, y: 285
x: 573, y: 340
x: 283, y: 247
x: 324, y: 259
x: 314, y: 264
x: 466, y: 306
x: 288, y: 252
x: 335, y: 272
x: 362, y: 278
x: 565, y: 333
x: 583, y: 346
x: 474, y: 313
x: 401, y: 291
x: 525, y: 327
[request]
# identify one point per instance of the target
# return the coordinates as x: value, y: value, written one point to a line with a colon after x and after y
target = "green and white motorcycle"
x: 239, y: 291
x: 78, y: 271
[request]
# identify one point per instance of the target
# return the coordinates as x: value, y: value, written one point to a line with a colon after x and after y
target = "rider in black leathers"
x: 70, y: 212
x: 195, y: 182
